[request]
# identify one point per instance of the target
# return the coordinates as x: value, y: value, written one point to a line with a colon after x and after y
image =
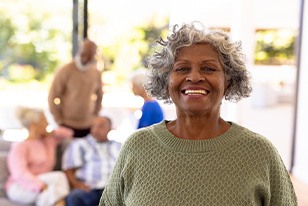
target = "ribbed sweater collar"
x: 194, y: 146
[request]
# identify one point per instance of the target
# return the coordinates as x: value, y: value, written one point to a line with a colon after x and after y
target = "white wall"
x: 267, y: 13
x: 300, y: 169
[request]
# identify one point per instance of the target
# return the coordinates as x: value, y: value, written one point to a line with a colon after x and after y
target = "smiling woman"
x: 199, y: 158
x: 196, y: 81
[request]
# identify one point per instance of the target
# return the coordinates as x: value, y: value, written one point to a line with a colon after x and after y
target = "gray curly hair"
x: 27, y: 115
x: 230, y: 53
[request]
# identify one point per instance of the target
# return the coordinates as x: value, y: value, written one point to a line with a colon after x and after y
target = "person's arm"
x: 74, y: 182
x: 99, y: 94
x: 55, y: 95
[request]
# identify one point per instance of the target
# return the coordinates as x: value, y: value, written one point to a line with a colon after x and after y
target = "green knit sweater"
x: 236, y: 168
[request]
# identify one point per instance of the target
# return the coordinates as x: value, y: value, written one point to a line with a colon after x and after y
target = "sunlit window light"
x: 15, y: 135
x: 138, y: 114
x: 49, y: 128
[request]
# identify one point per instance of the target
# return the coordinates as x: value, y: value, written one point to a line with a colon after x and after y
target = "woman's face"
x: 196, y: 81
x: 41, y: 126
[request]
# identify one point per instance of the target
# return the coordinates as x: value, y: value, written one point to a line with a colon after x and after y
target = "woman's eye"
x: 208, y: 69
x: 182, y: 69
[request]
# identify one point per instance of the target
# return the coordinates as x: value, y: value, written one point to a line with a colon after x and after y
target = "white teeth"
x: 195, y: 92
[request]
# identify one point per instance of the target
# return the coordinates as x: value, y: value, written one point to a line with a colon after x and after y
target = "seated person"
x: 151, y: 111
x: 88, y: 162
x: 31, y: 162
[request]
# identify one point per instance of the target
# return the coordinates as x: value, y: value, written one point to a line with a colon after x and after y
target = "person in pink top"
x: 31, y: 162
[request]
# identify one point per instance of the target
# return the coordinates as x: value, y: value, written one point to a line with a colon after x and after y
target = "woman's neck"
x: 197, y: 128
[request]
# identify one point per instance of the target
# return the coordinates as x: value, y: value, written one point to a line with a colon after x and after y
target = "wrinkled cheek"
x: 172, y: 92
x: 171, y: 86
x: 170, y: 83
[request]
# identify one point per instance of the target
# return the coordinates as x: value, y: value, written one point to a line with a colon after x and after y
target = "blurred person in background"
x: 75, y: 95
x: 198, y: 158
x: 88, y: 162
x: 31, y: 162
x: 151, y: 111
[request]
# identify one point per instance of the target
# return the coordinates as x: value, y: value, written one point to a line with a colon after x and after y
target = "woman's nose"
x: 195, y: 76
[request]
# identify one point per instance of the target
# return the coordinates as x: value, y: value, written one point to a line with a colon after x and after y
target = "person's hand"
x: 45, y: 187
x: 63, y: 132
x: 82, y: 186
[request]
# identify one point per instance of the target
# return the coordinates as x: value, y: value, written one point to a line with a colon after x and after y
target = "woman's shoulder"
x: 15, y: 145
x: 243, y: 130
x: 252, y: 138
x: 22, y: 146
x: 139, y: 134
x: 145, y: 134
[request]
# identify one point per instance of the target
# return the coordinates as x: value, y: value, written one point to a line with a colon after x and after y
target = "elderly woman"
x: 31, y: 163
x: 198, y: 158
x: 152, y: 112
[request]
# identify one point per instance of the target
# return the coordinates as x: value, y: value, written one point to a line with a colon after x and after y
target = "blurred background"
x: 37, y: 36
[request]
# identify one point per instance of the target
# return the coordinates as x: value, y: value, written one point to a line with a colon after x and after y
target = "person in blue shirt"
x: 151, y: 110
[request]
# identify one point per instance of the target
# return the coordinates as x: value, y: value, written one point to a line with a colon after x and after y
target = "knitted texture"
x: 236, y: 168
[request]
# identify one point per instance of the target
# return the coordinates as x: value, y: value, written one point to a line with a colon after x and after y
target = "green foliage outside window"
x: 33, y: 44
x: 275, y: 47
x: 130, y: 50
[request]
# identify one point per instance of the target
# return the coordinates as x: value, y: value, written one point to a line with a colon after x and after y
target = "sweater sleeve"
x: 17, y: 164
x: 282, y: 190
x: 55, y: 95
x: 113, y: 193
x: 99, y: 94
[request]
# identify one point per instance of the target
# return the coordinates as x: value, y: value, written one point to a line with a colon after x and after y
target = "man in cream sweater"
x: 75, y: 95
